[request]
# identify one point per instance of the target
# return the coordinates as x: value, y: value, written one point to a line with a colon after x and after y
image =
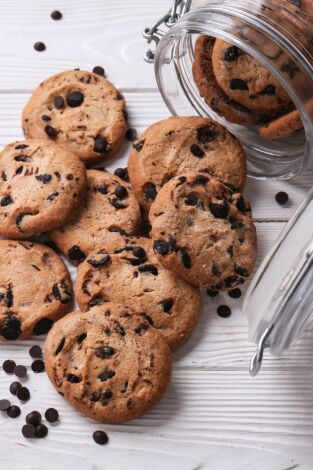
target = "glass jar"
x: 277, y: 34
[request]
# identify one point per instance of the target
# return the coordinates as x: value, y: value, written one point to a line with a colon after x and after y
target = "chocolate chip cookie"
x: 41, y: 185
x: 282, y: 126
x: 109, y: 207
x: 246, y: 81
x: 210, y: 90
x: 179, y: 144
x: 35, y: 289
x: 81, y: 111
x: 129, y: 272
x: 203, y: 231
x: 109, y: 363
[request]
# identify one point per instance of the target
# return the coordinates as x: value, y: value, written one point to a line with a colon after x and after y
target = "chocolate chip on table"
x: 196, y: 151
x: 121, y: 192
x: 34, y: 418
x: 9, y: 366
x: 41, y: 431
x: 122, y: 173
x: 223, y: 311
x: 238, y: 84
x: 99, y: 70
x: 231, y: 54
x: 50, y: 131
x: 38, y: 366
x: 39, y: 46
x: 20, y: 371
x: 234, y: 293
x: 100, y: 437
x: 52, y: 415
x: 14, y: 411
x: 14, y: 387
x: 282, y: 198
x: 23, y: 394
x: 58, y: 101
x: 220, y: 211
x: 56, y: 15
x: 101, y: 145
x: 76, y: 254
x: 43, y: 326
x: 4, y: 405
x: 212, y: 293
x: 35, y: 351
x: 28, y: 431
x: 75, y: 99
x: 131, y: 134
x: 11, y: 329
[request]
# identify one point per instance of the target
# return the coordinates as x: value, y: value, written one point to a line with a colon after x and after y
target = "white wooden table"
x: 214, y: 416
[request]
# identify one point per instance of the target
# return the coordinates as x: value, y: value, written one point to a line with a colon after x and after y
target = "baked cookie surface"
x: 41, y: 185
x: 283, y: 126
x: 81, y: 111
x: 109, y: 363
x: 109, y: 207
x: 35, y: 289
x: 129, y: 272
x: 180, y: 144
x: 203, y: 232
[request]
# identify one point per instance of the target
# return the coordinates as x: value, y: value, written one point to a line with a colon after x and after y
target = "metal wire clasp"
x: 179, y: 8
x: 256, y: 361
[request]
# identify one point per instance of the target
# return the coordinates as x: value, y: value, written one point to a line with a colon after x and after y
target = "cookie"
x: 180, y: 144
x: 203, y: 232
x: 210, y: 90
x: 109, y: 363
x: 129, y: 272
x: 282, y: 126
x: 81, y: 111
x: 35, y: 289
x: 246, y: 81
x: 109, y: 207
x: 41, y: 185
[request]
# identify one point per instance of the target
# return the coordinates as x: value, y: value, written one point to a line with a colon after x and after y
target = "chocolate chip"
x: 231, y: 281
x: 119, y: 329
x: 98, y: 70
x: 21, y: 158
x: 186, y: 260
x: 200, y: 179
x: 117, y: 204
x: 212, y: 293
x: 74, y: 379
x: 290, y: 68
x: 52, y: 415
x: 101, y: 188
x: 11, y: 329
x: 148, y: 268
x: 38, y: 366
x: 167, y: 305
x: 58, y: 102
x: 50, y: 131
x: 231, y: 54
x: 191, y: 201
x: 269, y: 90
x: 100, y: 437
x: 19, y: 218
x: 101, y: 145
x: 282, y: 197
x: 3, y: 176
x: 139, y: 252
x: 43, y: 326
x: 14, y: 411
x: 241, y: 271
x: 23, y: 394
x: 223, y: 311
x: 238, y: 84
x: 20, y: 371
x: 196, y: 151
x: 41, y: 431
x: 6, y: 200
x: 9, y: 366
x: 28, y: 431
x: 45, y: 178
x: 99, y: 263
x: 35, y: 351
x: 122, y: 173
x: 105, y: 352
x: 4, y: 405
x: 19, y: 170
x: 39, y: 46
x: 241, y: 205
x: 52, y: 196
x: 75, y: 99
x: 34, y: 418
x: 206, y: 134
x: 106, y: 375
x: 149, y: 191
x: 81, y: 338
x: 14, y: 387
x: 62, y: 292
x: 76, y: 254
x: 220, y: 211
x: 236, y: 224
x: 162, y: 247
x: 121, y: 192
x: 131, y: 134
x: 56, y: 15
x: 215, y: 270
x: 124, y: 387
x: 95, y: 301
x: 21, y: 147
x: 234, y: 293
x: 138, y: 145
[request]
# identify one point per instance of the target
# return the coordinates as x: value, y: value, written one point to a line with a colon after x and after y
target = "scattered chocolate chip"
x: 138, y: 145
x: 231, y: 54
x: 14, y: 387
x: 196, y: 151
x: 73, y: 378
x: 9, y: 366
x: 269, y: 90
x: 206, y: 134
x: 167, y: 305
x: 81, y: 338
x: 23, y: 394
x: 11, y: 329
x: 38, y: 366
x: 45, y: 178
x: 122, y: 173
x: 99, y: 70
x: 241, y: 271
x: 50, y: 131
x: 223, y: 311
x: 43, y: 326
x: 56, y: 15
x: 191, y: 201
x: 39, y: 46
x: 75, y: 99
x: 162, y: 247
x: 20, y: 371
x: 100, y: 437
x: 186, y: 260
x: 105, y: 352
x: 121, y: 192
x: 41, y: 431
x: 52, y: 415
x: 35, y: 351
x: 108, y: 374
x: 28, y: 431
x: 131, y: 134
x: 234, y: 293
x: 148, y: 268
x: 201, y: 179
x: 238, y: 84
x: 99, y: 263
x: 220, y: 211
x: 282, y: 197
x: 58, y: 102
x: 101, y: 145
x: 4, y: 405
x: 34, y: 418
x: 6, y: 200
x: 76, y: 254
x: 59, y: 347
x: 212, y: 293
x: 14, y: 411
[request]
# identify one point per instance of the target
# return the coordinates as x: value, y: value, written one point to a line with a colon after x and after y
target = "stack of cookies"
x: 237, y: 87
x: 138, y: 289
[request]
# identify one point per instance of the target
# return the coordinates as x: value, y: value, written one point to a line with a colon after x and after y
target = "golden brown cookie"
x: 35, y: 289
x: 179, y: 144
x: 282, y: 126
x: 41, y: 185
x: 81, y: 111
x: 109, y: 363
x: 203, y: 232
